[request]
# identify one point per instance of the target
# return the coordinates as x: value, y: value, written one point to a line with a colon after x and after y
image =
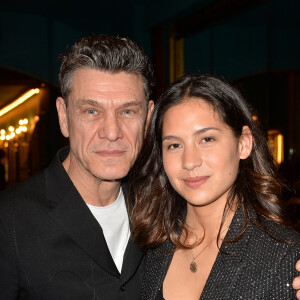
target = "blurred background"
x: 253, y: 43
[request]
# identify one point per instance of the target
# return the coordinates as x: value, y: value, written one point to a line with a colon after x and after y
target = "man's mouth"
x: 110, y: 153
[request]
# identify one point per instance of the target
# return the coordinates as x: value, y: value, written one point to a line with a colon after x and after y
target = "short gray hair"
x: 105, y: 53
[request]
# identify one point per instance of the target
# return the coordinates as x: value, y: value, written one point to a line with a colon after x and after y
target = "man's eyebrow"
x: 88, y: 102
x: 200, y: 131
x: 131, y: 103
x: 99, y: 104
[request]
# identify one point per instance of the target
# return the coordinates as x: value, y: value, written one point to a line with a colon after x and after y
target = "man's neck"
x: 93, y: 190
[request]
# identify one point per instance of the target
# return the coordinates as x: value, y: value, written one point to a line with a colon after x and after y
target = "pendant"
x: 193, y: 266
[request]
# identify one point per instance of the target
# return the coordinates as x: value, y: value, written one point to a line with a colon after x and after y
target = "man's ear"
x: 245, y: 143
x: 149, y: 114
x: 62, y: 116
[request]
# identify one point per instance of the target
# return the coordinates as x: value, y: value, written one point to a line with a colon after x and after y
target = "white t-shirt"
x: 115, y: 225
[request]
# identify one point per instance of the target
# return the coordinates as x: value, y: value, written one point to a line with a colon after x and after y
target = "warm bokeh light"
x: 276, y: 144
x: 13, y: 132
x: 279, y: 157
x: 19, y: 101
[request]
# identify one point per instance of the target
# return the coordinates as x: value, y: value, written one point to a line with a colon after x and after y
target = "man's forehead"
x: 107, y: 79
x: 90, y: 83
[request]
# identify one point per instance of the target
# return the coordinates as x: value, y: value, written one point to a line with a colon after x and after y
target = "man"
x: 51, y: 244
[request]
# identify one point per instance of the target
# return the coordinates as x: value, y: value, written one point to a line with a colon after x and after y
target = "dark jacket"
x: 51, y: 246
x: 258, y: 267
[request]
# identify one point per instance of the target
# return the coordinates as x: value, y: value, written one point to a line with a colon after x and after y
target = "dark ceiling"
x: 66, y: 8
x: 78, y: 14
x: 73, y: 12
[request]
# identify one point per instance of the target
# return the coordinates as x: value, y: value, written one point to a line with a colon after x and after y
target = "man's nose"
x: 191, y: 158
x: 110, y: 128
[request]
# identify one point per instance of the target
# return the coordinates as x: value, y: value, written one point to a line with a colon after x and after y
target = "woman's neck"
x: 205, y: 222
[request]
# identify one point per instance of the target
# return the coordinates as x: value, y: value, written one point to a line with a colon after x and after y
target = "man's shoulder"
x: 34, y: 187
x: 26, y: 190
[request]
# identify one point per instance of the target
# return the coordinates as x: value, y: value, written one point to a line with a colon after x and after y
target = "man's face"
x: 105, y: 122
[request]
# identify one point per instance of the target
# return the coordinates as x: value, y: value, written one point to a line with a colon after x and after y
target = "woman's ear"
x: 245, y: 143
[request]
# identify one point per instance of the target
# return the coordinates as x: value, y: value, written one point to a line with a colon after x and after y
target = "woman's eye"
x: 173, y: 146
x: 207, y: 139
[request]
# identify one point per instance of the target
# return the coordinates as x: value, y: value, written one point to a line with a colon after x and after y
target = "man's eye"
x: 91, y: 111
x: 128, y: 111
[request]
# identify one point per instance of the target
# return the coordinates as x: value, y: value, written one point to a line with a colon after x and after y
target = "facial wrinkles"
x: 111, y: 109
x: 107, y: 96
x: 125, y: 84
x: 101, y: 142
x: 111, y: 88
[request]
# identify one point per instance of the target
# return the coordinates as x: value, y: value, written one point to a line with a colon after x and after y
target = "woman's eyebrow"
x: 200, y: 131
x: 171, y: 137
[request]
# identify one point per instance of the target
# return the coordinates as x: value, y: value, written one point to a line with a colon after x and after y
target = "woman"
x: 207, y: 201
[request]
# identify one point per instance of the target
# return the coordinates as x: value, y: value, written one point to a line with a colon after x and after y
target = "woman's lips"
x: 195, y: 182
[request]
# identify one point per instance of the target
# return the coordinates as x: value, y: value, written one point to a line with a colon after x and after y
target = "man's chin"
x: 110, y: 172
x: 112, y: 177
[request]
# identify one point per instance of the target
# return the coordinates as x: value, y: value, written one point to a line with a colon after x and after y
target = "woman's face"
x: 200, y: 153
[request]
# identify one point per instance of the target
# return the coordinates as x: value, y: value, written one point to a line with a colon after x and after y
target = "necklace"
x: 193, y: 265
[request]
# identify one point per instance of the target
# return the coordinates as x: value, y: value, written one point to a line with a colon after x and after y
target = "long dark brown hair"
x: 157, y: 211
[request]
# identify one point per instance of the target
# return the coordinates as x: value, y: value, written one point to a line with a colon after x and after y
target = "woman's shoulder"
x: 263, y: 240
x: 263, y: 230
x: 279, y: 232
x: 276, y: 241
